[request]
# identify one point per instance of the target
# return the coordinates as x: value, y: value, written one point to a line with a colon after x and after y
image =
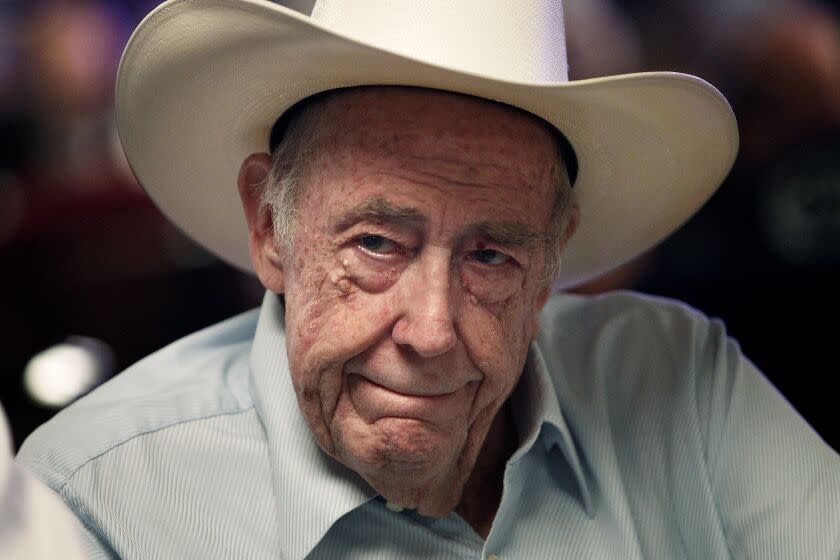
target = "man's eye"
x: 490, y: 257
x: 377, y: 244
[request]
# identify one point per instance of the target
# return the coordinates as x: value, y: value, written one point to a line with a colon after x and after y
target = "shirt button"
x: 493, y: 557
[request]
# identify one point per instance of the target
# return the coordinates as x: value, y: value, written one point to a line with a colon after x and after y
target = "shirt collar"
x: 312, y: 490
x: 537, y: 414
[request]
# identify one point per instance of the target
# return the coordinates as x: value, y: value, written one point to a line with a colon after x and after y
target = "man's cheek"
x: 494, y: 335
x: 329, y: 333
x: 497, y: 345
x: 309, y: 402
x: 319, y: 302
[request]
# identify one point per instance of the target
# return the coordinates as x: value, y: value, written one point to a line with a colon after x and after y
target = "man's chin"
x: 408, y: 463
x: 398, y: 446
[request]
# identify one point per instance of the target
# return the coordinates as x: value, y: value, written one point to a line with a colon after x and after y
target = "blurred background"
x: 93, y: 278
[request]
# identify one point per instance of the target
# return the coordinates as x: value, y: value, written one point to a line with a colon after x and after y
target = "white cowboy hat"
x: 202, y: 82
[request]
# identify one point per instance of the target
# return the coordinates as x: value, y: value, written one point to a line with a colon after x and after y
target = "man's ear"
x: 266, y: 256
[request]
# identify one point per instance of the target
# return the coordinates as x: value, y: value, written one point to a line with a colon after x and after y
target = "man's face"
x: 414, y: 281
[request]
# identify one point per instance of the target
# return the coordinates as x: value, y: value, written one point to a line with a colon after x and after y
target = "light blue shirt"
x: 643, y: 433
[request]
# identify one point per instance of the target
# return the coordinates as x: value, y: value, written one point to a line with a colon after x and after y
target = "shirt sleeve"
x: 776, y: 483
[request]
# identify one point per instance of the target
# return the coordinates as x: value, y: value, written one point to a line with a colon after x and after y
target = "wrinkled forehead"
x: 435, y: 126
x: 416, y: 149
x: 409, y: 107
x: 395, y: 117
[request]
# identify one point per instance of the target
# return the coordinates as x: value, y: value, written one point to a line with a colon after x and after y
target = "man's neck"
x: 483, y: 491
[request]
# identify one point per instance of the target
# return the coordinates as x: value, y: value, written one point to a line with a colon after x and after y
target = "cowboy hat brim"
x: 202, y: 82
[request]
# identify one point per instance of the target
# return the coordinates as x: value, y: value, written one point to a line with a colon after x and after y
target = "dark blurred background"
x: 93, y: 278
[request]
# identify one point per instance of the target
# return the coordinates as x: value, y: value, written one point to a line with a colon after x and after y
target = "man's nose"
x: 426, y: 321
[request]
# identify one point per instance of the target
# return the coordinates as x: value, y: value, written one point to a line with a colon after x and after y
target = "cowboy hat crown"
x: 516, y: 40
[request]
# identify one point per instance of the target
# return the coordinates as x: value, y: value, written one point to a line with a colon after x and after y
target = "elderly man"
x: 408, y: 388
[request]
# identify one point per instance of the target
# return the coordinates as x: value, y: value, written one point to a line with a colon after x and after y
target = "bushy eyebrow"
x: 378, y: 210
x: 511, y: 234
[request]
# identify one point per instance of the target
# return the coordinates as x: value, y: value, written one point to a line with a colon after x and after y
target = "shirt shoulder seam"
x: 75, y: 471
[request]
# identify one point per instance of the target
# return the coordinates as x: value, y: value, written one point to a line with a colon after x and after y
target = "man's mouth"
x: 373, y: 401
x: 414, y: 392
x: 415, y: 384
